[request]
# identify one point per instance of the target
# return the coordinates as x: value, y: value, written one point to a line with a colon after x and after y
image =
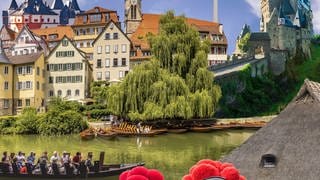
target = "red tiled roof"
x: 61, y: 31
x: 150, y: 24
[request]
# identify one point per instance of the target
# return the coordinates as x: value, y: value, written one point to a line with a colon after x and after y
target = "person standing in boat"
x: 76, y: 160
x: 89, y: 162
x: 5, y: 158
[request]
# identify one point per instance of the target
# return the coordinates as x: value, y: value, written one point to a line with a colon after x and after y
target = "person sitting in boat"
x: 43, y: 159
x: 76, y: 160
x: 65, y: 158
x: 20, y: 160
x: 89, y: 162
x: 55, y: 158
x: 5, y: 158
x: 31, y: 159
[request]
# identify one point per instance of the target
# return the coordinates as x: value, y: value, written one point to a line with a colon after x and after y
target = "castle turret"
x: 57, y: 5
x: 75, y: 5
x: 13, y: 5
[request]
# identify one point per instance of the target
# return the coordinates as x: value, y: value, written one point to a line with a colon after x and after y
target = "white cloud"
x: 255, y: 7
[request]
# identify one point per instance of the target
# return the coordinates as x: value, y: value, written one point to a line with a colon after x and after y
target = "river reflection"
x: 172, y: 154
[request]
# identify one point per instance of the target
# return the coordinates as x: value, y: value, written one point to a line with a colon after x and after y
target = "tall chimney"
x: 215, y: 11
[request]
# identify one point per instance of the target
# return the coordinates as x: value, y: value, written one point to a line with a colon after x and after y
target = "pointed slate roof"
x: 287, y: 9
x: 244, y: 31
x: 75, y: 5
x: 291, y: 138
x: 38, y: 7
x: 13, y: 5
x: 58, y: 4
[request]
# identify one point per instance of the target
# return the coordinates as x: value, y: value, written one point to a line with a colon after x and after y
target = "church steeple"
x: 133, y: 15
x: 13, y: 5
x: 75, y: 5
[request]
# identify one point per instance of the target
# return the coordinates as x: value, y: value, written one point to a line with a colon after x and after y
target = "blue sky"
x: 232, y: 13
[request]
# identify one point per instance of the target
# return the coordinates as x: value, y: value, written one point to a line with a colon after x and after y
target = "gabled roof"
x: 105, y: 29
x: 10, y: 32
x: 58, y: 4
x: 43, y: 9
x: 25, y: 59
x: 70, y: 42
x: 13, y: 5
x: 292, y: 138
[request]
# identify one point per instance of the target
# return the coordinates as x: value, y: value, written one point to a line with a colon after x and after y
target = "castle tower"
x: 13, y: 5
x: 133, y: 15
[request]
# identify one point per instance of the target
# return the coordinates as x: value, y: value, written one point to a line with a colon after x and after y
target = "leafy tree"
x: 99, y: 91
x: 175, y: 84
x: 243, y: 44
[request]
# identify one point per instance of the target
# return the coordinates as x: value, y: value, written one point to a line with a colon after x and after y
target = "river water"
x: 172, y: 154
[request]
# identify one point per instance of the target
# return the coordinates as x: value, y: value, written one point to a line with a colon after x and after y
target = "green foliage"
x: 175, y: 84
x: 63, y: 117
x: 99, y: 91
x: 27, y: 122
x: 243, y: 44
x: 7, y: 124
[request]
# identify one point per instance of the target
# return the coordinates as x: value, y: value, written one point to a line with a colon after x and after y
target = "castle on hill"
x: 289, y: 24
x: 40, y: 14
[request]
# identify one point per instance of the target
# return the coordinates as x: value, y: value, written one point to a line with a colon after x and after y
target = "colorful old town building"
x: 68, y: 72
x: 89, y: 25
x: 7, y: 37
x: 111, y: 54
x: 138, y: 25
x: 39, y: 14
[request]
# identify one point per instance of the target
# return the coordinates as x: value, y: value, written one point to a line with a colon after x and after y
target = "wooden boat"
x: 201, y: 129
x: 87, y: 134
x: 177, y: 131
x: 107, y: 135
x: 107, y: 170
x: 129, y: 133
x: 160, y: 131
x: 98, y: 170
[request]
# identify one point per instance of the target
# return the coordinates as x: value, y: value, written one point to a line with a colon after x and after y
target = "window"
x: 107, y: 16
x: 6, y: 70
x: 99, y: 63
x: 77, y: 93
x: 99, y: 49
x: 99, y: 76
x: 121, y: 75
x: 107, y: 62
x: 85, y: 19
x: 69, y: 92
x: 51, y: 93
x: 27, y: 102
x: 64, y: 42
x: 6, y: 103
x: 28, y: 85
x: 115, y: 62
x: 19, y: 85
x: 115, y: 36
x: 38, y: 85
x: 6, y: 85
x: 124, y: 61
x: 123, y: 48
x: 64, y: 53
x: 59, y: 93
x: 108, y: 75
x: 88, y: 44
x: 268, y: 161
x: 55, y: 36
x: 107, y: 49
x: 107, y: 36
x: 19, y: 103
x: 95, y: 18
x: 29, y: 69
x: 51, y: 79
x: 38, y: 71
x: 115, y: 49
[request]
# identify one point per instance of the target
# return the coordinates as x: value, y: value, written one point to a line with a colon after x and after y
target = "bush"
x: 27, y: 122
x: 7, y: 124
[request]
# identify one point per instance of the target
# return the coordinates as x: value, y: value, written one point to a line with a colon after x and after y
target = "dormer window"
x: 268, y: 161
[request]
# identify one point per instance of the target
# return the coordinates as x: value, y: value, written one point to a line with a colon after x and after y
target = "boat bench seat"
x: 4, y: 168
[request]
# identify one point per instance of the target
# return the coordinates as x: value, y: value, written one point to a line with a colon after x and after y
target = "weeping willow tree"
x: 175, y: 84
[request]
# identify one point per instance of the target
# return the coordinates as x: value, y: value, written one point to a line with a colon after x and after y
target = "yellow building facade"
x: 6, y: 88
x: 28, y: 82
